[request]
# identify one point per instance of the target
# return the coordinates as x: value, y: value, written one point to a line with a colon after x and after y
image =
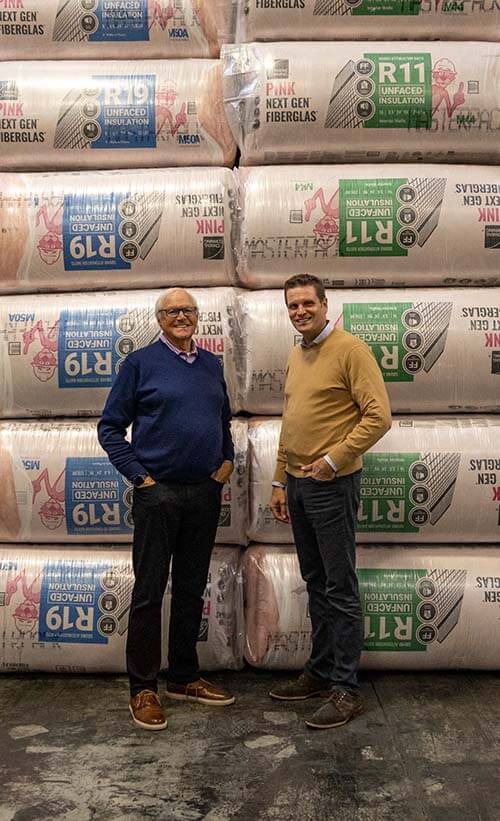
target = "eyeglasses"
x: 172, y: 313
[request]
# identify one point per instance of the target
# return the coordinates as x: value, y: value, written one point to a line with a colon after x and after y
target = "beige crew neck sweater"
x: 336, y: 403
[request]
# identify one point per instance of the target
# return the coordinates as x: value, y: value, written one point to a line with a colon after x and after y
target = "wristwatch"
x: 138, y: 481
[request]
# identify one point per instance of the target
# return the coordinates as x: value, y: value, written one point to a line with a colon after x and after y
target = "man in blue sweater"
x: 181, y: 453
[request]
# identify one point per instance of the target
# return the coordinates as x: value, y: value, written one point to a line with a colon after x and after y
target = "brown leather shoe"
x: 147, y: 711
x: 201, y: 691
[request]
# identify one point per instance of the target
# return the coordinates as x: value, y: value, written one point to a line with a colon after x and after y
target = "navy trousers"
x: 323, y: 516
x: 172, y: 523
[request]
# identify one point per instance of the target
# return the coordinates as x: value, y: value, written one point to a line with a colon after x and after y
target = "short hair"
x: 299, y: 280
x: 167, y: 293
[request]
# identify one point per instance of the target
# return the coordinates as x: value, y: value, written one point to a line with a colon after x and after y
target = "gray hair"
x: 166, y: 294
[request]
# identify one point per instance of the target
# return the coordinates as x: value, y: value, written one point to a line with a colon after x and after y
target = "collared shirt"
x: 188, y: 356
x: 327, y: 330
x: 318, y: 339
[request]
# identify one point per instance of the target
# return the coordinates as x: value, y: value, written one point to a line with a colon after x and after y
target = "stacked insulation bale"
x: 86, y: 204
x: 67, y: 611
x: 431, y: 480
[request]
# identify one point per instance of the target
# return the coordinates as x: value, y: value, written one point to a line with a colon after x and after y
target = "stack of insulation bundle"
x: 90, y: 113
x: 295, y: 107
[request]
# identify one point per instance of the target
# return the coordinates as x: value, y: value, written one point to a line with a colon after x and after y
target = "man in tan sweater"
x: 336, y: 408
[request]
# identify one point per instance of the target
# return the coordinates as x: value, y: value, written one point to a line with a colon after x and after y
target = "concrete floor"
x: 428, y: 747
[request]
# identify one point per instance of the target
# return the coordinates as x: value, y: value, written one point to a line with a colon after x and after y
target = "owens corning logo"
x: 9, y: 90
x: 279, y: 71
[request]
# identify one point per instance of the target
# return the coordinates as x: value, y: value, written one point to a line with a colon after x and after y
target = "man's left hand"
x: 319, y: 470
x: 223, y: 473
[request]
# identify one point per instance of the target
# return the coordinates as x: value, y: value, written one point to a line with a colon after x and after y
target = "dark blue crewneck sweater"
x: 179, y: 412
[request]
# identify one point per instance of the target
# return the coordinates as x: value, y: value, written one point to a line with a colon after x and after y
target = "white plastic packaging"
x: 59, y: 353
x: 89, y: 29
x: 66, y: 611
x: 423, y: 608
x: 438, y: 349
x: 364, y: 102
x: 370, y: 225
x: 58, y: 485
x: 116, y: 229
x: 112, y: 114
x: 429, y: 480
x: 366, y: 20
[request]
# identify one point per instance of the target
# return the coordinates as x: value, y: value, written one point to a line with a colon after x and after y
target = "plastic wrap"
x: 59, y: 353
x: 221, y: 636
x: 367, y: 19
x: 89, y: 29
x: 427, y: 480
x: 423, y: 608
x: 364, y: 102
x: 67, y: 611
x: 370, y: 225
x: 57, y: 485
x: 110, y: 114
x: 116, y: 229
x: 438, y: 349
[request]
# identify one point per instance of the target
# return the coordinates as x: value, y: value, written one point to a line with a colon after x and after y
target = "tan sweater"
x: 336, y: 403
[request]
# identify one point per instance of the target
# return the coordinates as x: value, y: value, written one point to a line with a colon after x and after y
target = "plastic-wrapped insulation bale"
x: 364, y: 102
x: 66, y: 611
x: 124, y: 114
x: 89, y: 29
x: 430, y: 479
x: 370, y: 225
x: 116, y: 229
x: 423, y: 608
x: 57, y: 485
x: 221, y: 636
x: 367, y: 20
x: 438, y: 349
x: 59, y: 353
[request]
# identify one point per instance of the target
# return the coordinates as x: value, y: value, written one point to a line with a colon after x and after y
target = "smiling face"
x: 307, y: 312
x: 179, y: 329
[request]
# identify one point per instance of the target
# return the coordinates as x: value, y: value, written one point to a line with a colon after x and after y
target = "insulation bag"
x: 59, y: 353
x: 128, y: 114
x: 366, y: 19
x: 221, y: 636
x: 364, y: 102
x: 438, y: 349
x: 423, y: 608
x: 57, y: 484
x: 370, y: 225
x: 427, y: 480
x: 89, y: 29
x: 67, y: 611
x: 116, y: 229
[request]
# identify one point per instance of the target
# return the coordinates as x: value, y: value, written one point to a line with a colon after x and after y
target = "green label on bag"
x: 381, y: 326
x: 395, y: 90
x: 395, y: 612
x: 373, y: 218
x: 396, y: 8
x: 386, y: 484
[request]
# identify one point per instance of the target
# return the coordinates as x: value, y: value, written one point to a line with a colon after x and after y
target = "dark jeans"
x: 323, y: 516
x: 178, y: 523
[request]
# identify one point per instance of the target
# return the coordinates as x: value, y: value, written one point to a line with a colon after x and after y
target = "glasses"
x: 172, y: 313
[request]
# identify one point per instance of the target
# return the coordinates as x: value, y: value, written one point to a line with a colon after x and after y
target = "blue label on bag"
x: 91, y: 345
x: 98, y: 499
x: 97, y: 233
x: 76, y: 605
x: 120, y: 111
x: 115, y: 20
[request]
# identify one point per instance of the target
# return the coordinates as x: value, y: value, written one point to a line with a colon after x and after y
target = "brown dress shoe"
x: 201, y: 691
x: 147, y: 711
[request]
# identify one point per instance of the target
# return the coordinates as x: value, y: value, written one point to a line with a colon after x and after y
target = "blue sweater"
x: 179, y: 412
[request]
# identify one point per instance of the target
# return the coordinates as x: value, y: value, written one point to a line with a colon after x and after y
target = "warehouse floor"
x: 428, y: 747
